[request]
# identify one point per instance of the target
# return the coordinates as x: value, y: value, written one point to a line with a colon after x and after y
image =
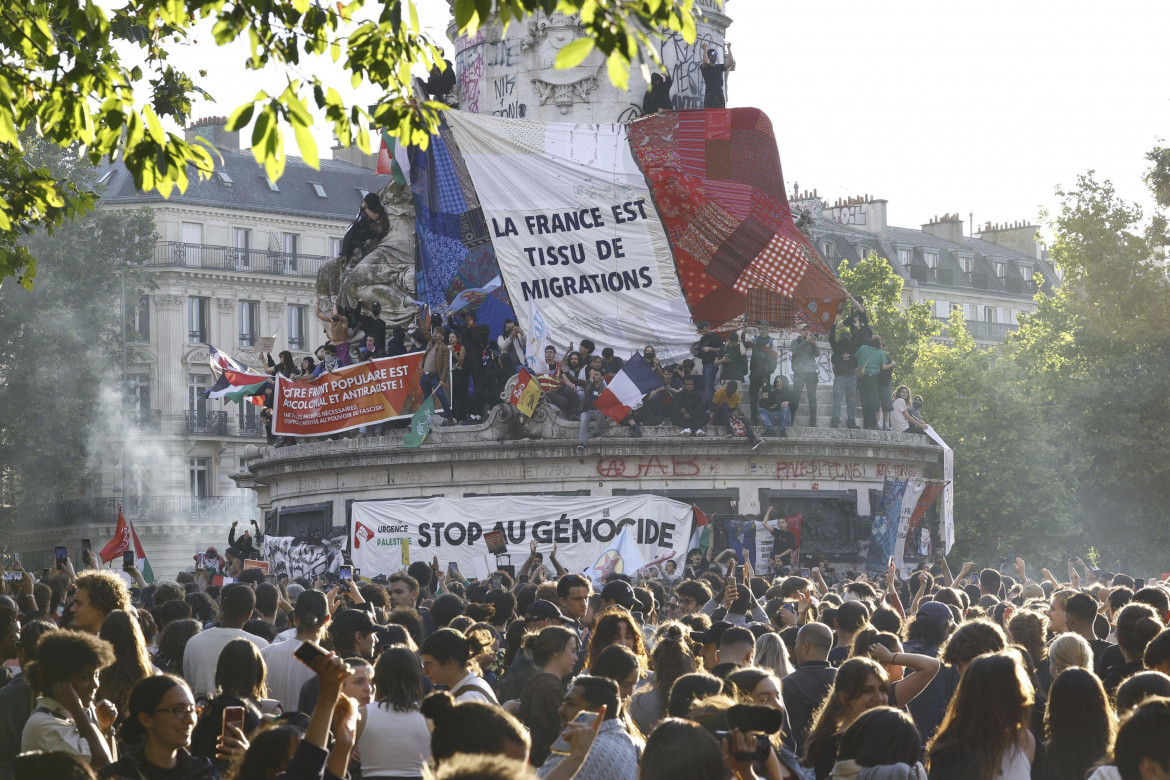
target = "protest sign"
x: 350, y: 397
x: 264, y: 345
x: 573, y: 225
x: 473, y: 532
x: 261, y: 565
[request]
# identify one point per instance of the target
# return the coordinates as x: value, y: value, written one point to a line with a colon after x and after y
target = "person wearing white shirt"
x: 392, y: 736
x: 202, y: 653
x: 65, y: 718
x: 448, y: 659
x: 286, y: 674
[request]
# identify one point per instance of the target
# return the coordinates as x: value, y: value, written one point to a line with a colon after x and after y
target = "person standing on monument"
x: 804, y: 371
x: 713, y: 74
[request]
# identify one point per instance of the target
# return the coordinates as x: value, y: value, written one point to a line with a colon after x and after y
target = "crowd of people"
x: 703, y: 674
x: 731, y: 380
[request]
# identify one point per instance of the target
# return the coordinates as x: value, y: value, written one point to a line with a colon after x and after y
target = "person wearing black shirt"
x: 713, y: 73
x: 689, y: 410
x: 845, y: 344
x: 372, y: 324
x: 658, y: 95
x: 368, y: 228
x: 776, y: 407
x: 710, y: 343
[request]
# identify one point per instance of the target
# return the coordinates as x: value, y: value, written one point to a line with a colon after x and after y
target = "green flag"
x: 420, y: 424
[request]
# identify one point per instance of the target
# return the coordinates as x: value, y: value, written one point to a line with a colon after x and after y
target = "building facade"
x: 991, y: 276
x: 237, y: 259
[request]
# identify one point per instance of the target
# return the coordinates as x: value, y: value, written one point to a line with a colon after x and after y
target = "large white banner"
x: 483, y: 532
x: 948, y: 505
x: 573, y: 226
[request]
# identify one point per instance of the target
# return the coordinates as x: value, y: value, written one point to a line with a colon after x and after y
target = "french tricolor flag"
x: 626, y: 389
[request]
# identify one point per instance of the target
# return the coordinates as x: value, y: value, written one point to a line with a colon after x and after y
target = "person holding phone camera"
x: 614, y: 755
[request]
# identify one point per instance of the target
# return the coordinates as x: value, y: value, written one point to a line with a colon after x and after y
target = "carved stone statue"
x: 544, y: 37
x: 384, y: 274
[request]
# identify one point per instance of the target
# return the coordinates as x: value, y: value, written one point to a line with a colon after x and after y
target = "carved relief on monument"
x: 544, y: 38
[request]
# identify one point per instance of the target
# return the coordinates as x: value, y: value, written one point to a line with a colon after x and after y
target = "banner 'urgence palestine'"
x: 480, y: 533
x: 361, y: 394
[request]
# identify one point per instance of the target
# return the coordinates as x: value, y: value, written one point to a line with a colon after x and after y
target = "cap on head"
x: 619, y: 592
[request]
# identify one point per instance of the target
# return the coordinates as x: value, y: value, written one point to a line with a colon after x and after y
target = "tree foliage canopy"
x: 1059, y: 433
x: 64, y: 79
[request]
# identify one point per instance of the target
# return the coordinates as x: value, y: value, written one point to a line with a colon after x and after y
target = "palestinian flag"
x: 701, y: 535
x: 393, y: 159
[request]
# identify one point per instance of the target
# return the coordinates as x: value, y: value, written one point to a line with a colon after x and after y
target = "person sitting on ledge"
x: 688, y: 409
x: 725, y: 406
x: 776, y: 407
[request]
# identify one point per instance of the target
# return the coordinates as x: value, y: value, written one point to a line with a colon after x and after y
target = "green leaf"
x: 307, y: 144
x: 240, y: 117
x: 619, y: 70
x: 574, y: 53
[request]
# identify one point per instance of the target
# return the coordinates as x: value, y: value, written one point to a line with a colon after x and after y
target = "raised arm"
x: 923, y: 667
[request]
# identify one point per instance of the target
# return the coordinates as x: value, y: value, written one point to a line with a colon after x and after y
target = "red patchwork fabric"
x: 716, y: 180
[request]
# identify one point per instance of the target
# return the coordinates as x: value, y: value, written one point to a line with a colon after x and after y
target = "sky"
x: 937, y: 107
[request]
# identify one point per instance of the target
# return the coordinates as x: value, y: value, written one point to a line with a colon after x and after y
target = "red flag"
x: 792, y: 525
x: 929, y: 495
x: 120, y: 543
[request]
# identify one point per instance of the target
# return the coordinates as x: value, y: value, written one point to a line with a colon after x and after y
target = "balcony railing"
x: 251, y: 426
x: 105, y: 510
x: 229, y: 258
x: 207, y: 422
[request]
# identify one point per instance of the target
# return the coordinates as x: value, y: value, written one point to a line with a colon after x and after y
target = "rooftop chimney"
x: 949, y: 227
x: 354, y: 156
x: 1019, y: 235
x: 214, y: 130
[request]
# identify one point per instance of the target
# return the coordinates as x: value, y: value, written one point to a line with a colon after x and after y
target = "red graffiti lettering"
x: 611, y: 467
x: 818, y: 469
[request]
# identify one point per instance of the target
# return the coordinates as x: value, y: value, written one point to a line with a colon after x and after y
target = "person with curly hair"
x: 98, y: 594
x: 616, y: 626
x: 66, y: 718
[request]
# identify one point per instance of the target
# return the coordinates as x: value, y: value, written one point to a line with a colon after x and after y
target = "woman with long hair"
x: 1079, y: 726
x: 886, y: 649
x: 554, y: 654
x: 615, y: 626
x: 131, y: 659
x: 985, y: 734
x: 286, y: 367
x: 772, y: 654
x: 861, y: 684
x: 239, y: 682
x: 392, y: 736
x: 448, y: 659
x: 671, y: 658
x: 1029, y: 629
x: 160, y: 717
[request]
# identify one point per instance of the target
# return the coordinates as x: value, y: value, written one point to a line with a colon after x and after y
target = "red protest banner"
x: 350, y: 397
